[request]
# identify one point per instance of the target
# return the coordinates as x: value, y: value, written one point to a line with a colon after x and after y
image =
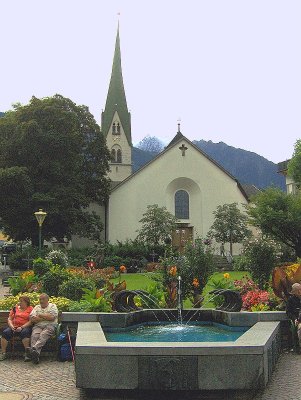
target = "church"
x: 181, y: 178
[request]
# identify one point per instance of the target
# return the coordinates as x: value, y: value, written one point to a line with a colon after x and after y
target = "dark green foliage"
x: 53, y: 279
x: 113, y: 261
x: 230, y: 225
x: 241, y: 263
x: 278, y: 215
x: 294, y: 166
x: 261, y: 255
x: 17, y: 261
x: 73, y: 287
x: 157, y: 225
x: 135, y: 249
x: 41, y: 266
x: 78, y: 257
x: 52, y: 156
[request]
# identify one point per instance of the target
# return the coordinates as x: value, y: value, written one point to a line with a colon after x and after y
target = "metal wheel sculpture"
x: 124, y: 300
x: 232, y: 300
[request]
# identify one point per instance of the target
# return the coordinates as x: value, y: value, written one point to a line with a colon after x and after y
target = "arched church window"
x: 114, y: 128
x: 182, y: 204
x: 118, y: 128
x: 119, y: 156
x: 113, y: 155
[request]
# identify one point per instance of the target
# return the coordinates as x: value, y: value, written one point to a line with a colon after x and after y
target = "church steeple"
x: 116, y: 122
x: 116, y: 99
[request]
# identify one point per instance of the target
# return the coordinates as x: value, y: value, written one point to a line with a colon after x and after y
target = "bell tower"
x: 116, y: 122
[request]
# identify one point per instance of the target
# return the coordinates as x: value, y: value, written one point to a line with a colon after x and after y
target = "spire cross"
x: 183, y: 148
x: 179, y: 125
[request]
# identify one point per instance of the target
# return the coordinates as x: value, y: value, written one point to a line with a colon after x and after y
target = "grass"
x: 142, y: 280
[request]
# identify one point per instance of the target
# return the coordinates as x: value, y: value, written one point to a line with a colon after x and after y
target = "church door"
x: 180, y: 237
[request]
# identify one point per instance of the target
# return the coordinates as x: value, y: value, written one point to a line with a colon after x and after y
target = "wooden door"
x: 180, y: 237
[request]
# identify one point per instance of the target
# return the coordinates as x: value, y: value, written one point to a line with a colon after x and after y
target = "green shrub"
x: 53, y: 278
x: 16, y: 261
x: 58, y: 257
x: 134, y: 249
x: 112, y: 261
x: 41, y: 266
x: 219, y: 283
x: 73, y: 287
x: 241, y: 263
x: 79, y: 306
x: 22, y: 259
x: 261, y: 255
x: 78, y: 257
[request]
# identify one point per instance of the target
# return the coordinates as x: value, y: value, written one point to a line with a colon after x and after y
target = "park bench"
x: 15, y: 347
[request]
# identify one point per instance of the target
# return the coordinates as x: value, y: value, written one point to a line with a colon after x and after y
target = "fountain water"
x: 179, y: 301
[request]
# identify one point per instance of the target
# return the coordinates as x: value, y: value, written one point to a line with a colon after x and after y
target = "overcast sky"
x: 229, y: 69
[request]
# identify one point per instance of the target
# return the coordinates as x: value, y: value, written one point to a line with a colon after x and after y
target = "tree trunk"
x: 231, y: 247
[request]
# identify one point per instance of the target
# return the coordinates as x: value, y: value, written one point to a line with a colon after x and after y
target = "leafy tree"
x: 230, y: 225
x: 261, y: 255
x: 157, y: 225
x: 278, y: 215
x: 151, y: 144
x: 52, y: 156
x: 294, y: 166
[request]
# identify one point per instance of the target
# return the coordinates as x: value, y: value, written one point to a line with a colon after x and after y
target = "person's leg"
x: 45, y: 334
x: 25, y: 337
x: 36, y: 331
x: 6, y: 336
x: 299, y: 334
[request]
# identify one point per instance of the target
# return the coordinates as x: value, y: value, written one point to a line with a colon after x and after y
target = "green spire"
x: 116, y: 100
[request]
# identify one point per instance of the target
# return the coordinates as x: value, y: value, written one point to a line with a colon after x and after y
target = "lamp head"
x: 40, y: 216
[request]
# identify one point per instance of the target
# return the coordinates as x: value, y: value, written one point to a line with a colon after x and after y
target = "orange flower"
x: 122, y: 268
x: 195, y: 282
x: 173, y: 270
x: 226, y: 275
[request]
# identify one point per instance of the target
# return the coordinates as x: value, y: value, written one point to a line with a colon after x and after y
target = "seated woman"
x: 18, y: 324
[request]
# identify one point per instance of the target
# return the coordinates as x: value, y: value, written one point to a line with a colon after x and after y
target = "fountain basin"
x: 244, y: 364
x: 175, y: 332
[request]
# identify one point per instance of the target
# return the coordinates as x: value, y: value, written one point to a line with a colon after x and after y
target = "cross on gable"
x: 183, y: 148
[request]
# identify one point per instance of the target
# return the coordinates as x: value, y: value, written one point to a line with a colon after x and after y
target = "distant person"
x: 44, y: 320
x: 293, y: 308
x: 222, y: 249
x: 18, y: 325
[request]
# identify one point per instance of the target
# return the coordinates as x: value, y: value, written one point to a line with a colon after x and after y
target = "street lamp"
x: 40, y: 216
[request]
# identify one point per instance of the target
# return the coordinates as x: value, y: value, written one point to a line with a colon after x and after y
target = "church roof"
x: 250, y: 190
x: 174, y: 142
x: 116, y: 99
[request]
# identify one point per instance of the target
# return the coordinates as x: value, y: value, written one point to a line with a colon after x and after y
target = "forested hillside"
x: 246, y: 166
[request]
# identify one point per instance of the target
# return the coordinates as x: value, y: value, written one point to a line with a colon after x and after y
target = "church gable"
x: 182, y: 179
x: 183, y: 156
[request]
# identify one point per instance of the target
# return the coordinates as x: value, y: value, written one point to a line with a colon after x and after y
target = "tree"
x: 278, y: 215
x: 157, y: 225
x: 261, y: 256
x: 52, y: 156
x: 294, y: 166
x: 230, y: 225
x: 151, y: 144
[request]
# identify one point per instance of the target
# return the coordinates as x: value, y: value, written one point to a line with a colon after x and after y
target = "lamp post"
x: 40, y: 216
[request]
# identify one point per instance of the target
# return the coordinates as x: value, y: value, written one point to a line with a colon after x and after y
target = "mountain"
x: 246, y: 166
x: 1, y: 114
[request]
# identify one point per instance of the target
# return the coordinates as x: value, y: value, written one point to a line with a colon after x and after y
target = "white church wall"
x: 208, y: 186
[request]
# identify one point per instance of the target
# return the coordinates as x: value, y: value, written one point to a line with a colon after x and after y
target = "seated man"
x: 44, y: 320
x: 293, y: 308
